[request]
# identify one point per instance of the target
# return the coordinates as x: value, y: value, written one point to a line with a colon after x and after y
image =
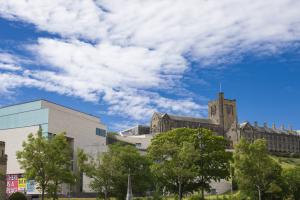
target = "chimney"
x: 273, y: 126
x: 265, y: 125
x: 290, y: 128
x: 282, y: 127
x: 255, y: 124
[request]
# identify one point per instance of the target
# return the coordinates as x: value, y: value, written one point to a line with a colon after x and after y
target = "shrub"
x: 195, y: 197
x: 17, y: 196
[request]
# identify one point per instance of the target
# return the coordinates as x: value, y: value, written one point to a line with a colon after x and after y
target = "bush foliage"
x: 17, y: 196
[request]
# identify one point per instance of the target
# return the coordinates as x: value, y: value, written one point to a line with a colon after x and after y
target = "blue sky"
x: 122, y: 61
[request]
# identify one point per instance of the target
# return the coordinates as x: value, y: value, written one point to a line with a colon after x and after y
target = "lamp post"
x: 201, y: 147
x: 69, y: 193
x: 129, y: 188
x: 231, y: 176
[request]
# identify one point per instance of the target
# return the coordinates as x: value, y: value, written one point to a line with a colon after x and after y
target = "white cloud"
x: 121, y: 75
x: 9, y: 67
x: 11, y: 81
x: 120, y: 51
x: 68, y: 18
x: 9, y: 62
x: 8, y: 58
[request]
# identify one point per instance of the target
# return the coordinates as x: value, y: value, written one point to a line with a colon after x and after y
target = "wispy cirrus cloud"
x: 9, y: 62
x: 125, y: 52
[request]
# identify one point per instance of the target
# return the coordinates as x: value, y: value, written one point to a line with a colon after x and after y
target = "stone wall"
x: 223, y: 120
x: 155, y: 126
x: 164, y: 122
x: 279, y: 141
x: 224, y: 113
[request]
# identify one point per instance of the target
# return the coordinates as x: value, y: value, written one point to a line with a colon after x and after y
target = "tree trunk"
x: 43, y: 193
x: 202, y: 193
x: 180, y: 191
x: 55, y: 192
x: 105, y: 193
x: 259, y: 194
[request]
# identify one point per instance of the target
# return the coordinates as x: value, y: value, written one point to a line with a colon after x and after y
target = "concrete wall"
x: 141, y: 142
x: 13, y: 139
x: 18, y: 121
x: 79, y: 126
x: 221, y: 187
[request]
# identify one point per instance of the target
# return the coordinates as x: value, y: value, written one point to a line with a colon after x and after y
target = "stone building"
x: 223, y: 120
x: 279, y: 141
x: 3, y: 165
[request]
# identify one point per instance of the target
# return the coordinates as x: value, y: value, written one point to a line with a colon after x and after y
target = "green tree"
x: 292, y: 178
x: 214, y: 160
x: 100, y: 169
x: 35, y: 161
x: 47, y: 161
x: 17, y: 196
x: 187, y: 159
x: 60, y: 166
x: 256, y: 172
x: 109, y: 171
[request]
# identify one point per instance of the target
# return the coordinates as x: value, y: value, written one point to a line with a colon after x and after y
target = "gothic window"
x: 213, y: 110
x: 229, y: 109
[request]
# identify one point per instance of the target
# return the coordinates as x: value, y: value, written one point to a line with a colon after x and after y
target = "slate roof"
x: 186, y: 118
x: 268, y: 129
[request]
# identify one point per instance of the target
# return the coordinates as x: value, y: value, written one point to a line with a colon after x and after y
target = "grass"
x: 76, y: 199
x: 221, y: 196
x: 287, y: 162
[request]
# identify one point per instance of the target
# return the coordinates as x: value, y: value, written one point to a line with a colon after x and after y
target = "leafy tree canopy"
x: 109, y: 171
x: 47, y: 161
x: 256, y: 172
x: 188, y: 159
x: 292, y: 178
x: 17, y: 196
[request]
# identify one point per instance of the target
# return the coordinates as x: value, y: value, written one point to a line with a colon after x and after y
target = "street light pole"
x: 201, y: 146
x: 129, y: 188
x: 231, y: 176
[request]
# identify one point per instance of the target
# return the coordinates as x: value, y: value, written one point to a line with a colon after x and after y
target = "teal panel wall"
x: 23, y: 119
x: 35, y: 105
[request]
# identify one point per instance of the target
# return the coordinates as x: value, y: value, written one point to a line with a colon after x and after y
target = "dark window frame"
x: 101, y: 132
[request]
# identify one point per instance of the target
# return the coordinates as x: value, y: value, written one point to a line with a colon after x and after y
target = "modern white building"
x: 18, y: 121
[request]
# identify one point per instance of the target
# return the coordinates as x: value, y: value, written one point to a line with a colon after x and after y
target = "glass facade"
x: 19, y: 108
x: 24, y: 115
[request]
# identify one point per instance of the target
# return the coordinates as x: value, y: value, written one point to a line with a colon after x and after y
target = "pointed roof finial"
x: 220, y: 87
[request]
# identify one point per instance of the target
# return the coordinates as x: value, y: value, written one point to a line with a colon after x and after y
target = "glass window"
x: 100, y: 132
x: 138, y: 145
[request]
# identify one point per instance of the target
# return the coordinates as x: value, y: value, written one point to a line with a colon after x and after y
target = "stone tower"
x: 223, y: 112
x: 3, y: 165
